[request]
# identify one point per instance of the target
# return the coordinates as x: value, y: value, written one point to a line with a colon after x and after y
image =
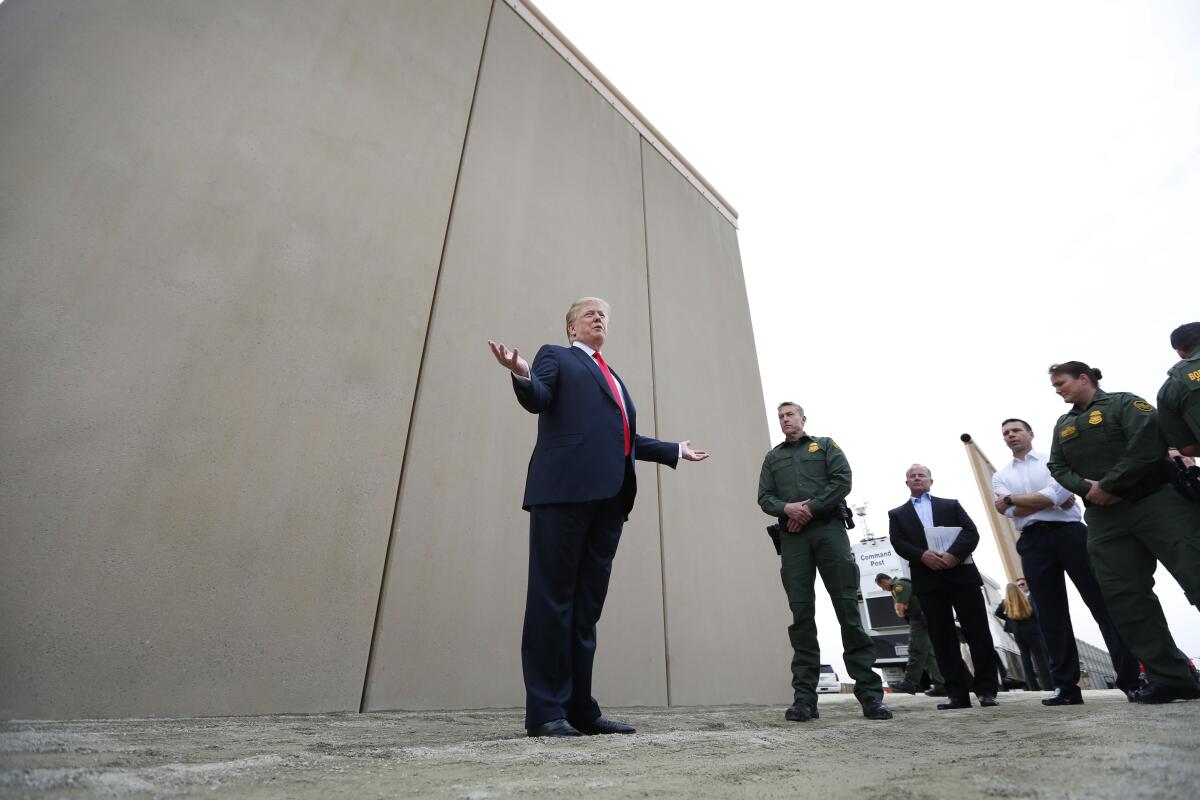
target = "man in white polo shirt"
x: 1052, y: 545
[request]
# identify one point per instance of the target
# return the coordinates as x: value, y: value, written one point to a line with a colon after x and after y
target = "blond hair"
x: 1016, y: 604
x: 573, y: 311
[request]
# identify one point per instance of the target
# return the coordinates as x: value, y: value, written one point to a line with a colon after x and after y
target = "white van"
x: 828, y: 680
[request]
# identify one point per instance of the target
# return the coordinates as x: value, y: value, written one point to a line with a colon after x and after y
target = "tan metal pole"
x: 1002, y: 528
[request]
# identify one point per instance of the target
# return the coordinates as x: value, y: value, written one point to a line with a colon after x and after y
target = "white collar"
x: 1033, y: 455
x: 591, y: 353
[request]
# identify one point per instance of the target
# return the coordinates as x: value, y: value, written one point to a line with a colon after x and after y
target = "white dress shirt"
x: 924, y: 508
x: 1028, y: 475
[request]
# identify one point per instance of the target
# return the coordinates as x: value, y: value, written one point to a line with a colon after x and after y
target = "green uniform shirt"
x: 1115, y: 440
x: 1179, y: 402
x: 902, y: 593
x: 902, y: 590
x: 812, y: 468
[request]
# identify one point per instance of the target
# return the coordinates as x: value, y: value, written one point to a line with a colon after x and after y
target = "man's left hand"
x: 948, y: 561
x: 689, y: 454
x: 1099, y: 497
x: 1000, y: 505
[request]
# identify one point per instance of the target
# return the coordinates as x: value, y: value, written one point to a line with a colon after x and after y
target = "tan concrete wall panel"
x: 726, y: 614
x: 548, y: 209
x: 219, y: 234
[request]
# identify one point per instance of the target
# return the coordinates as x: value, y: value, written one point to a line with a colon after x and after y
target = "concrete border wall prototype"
x: 254, y: 454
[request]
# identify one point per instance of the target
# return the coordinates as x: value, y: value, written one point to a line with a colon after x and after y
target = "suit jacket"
x: 580, y: 450
x: 908, y: 538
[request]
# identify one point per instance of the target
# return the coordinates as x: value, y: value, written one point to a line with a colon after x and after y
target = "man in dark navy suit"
x: 578, y: 492
x: 948, y: 584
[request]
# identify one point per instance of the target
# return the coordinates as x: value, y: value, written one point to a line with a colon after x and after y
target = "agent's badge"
x: 1095, y: 418
x: 814, y: 447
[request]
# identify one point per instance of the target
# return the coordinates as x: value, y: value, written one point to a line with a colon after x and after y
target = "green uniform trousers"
x: 920, y: 657
x: 1124, y: 542
x: 824, y: 547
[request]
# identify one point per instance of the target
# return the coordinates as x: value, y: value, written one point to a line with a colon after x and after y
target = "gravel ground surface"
x: 1106, y: 748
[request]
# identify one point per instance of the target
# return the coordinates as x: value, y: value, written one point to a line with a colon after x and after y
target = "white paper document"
x: 940, y: 537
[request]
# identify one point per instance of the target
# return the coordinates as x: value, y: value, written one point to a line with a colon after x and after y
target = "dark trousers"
x: 941, y: 605
x: 1033, y: 647
x: 571, y: 549
x: 1126, y: 542
x: 1049, y: 553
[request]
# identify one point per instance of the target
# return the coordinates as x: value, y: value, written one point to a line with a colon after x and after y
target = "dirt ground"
x: 1106, y: 748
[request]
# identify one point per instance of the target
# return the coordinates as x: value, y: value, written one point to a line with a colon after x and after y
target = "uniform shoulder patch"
x: 1194, y: 376
x: 1142, y: 405
x: 1067, y: 432
x: 834, y: 445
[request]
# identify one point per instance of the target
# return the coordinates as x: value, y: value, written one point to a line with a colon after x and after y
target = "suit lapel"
x: 591, y: 366
x: 935, y: 506
x: 915, y: 520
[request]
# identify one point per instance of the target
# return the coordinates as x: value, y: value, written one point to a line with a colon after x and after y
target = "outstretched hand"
x: 689, y: 454
x: 510, y: 359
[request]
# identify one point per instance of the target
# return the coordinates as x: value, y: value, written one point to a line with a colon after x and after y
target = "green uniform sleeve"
x: 902, y: 592
x: 1067, y: 478
x: 1145, y: 449
x: 837, y: 469
x: 1179, y: 414
x: 768, y: 500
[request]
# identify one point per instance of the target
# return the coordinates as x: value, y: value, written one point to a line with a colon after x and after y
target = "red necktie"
x: 616, y: 392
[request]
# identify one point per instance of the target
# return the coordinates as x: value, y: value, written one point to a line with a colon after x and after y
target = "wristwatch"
x: 1008, y: 500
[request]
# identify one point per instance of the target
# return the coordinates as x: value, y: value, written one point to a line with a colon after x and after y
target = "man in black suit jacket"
x: 578, y: 492
x: 947, y: 583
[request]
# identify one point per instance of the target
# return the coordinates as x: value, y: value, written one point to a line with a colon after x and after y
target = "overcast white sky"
x: 937, y: 200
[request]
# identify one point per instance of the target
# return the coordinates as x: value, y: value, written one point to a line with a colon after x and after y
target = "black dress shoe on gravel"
x: 603, y: 725
x: 555, y: 728
x: 801, y: 712
x: 875, y: 709
x: 1064, y: 697
x: 1154, y: 693
x: 988, y: 700
x: 954, y: 703
x: 904, y: 687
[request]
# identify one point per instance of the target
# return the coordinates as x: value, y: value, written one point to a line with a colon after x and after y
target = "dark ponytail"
x: 1075, y: 369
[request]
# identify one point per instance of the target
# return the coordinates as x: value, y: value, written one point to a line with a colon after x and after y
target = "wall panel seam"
x: 437, y: 282
x: 662, y: 549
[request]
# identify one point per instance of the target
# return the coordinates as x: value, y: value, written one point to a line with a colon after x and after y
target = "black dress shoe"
x: 603, y: 725
x: 937, y: 691
x: 954, y: 703
x: 1064, y: 697
x: 904, y: 687
x: 875, y: 709
x: 988, y: 700
x: 801, y: 712
x: 1154, y: 693
x: 556, y: 728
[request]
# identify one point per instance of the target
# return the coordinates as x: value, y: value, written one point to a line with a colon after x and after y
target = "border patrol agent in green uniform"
x: 1179, y: 397
x: 920, y: 648
x: 1109, y: 449
x: 802, y: 483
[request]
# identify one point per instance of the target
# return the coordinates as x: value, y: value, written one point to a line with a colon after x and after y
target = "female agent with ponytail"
x: 1110, y: 450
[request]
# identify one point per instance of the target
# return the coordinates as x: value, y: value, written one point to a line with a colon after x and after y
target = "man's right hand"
x: 510, y: 359
x: 901, y: 609
x: 799, y: 513
x: 932, y: 560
